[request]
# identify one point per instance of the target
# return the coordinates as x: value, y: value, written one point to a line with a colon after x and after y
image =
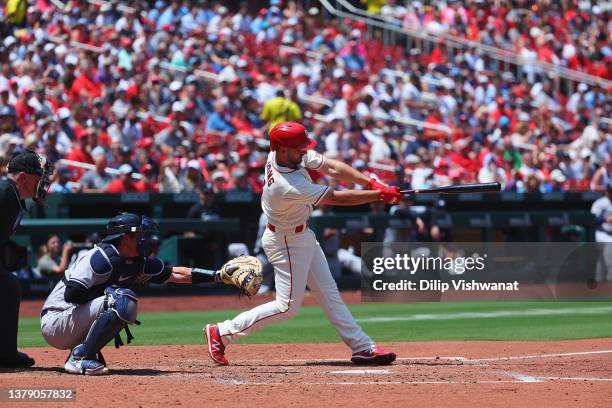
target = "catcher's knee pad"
x: 123, y: 302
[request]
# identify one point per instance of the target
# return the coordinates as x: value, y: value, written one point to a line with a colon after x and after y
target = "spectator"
x: 491, y: 173
x: 125, y: 182
x: 219, y: 120
x: 412, y: 226
x: 205, y: 209
x: 54, y: 258
x: 170, y: 177
x: 192, y: 180
x: 62, y: 183
x: 280, y: 109
x: 374, y: 6
x: 219, y: 180
x: 80, y: 152
x: 603, y: 175
x: 96, y: 181
x: 241, y: 182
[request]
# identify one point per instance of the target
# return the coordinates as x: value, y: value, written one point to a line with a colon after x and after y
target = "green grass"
x: 311, y: 326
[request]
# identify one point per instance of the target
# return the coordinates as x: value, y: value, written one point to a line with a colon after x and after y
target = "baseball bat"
x: 461, y: 188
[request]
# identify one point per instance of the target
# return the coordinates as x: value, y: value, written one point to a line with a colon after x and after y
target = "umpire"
x: 28, y: 177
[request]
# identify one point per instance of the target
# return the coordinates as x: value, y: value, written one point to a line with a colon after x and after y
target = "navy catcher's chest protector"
x: 124, y: 271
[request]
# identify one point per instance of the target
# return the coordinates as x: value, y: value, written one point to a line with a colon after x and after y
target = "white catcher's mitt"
x: 244, y: 272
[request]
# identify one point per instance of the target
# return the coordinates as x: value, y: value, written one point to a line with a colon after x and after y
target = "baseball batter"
x: 94, y: 302
x: 289, y: 197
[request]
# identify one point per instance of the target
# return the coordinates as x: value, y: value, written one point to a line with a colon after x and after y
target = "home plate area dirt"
x: 448, y: 374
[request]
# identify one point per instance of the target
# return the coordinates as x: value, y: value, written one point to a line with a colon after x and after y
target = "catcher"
x: 94, y: 301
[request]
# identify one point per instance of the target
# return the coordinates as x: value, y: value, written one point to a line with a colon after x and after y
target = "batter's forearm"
x: 344, y: 172
x: 350, y: 197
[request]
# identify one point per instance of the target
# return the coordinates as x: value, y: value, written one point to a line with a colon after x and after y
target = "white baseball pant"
x: 298, y: 260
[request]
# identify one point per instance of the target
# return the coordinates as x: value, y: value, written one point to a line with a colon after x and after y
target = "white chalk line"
x: 518, y: 379
x: 578, y: 353
x: 488, y: 315
x: 524, y: 377
x: 379, y: 382
x: 323, y: 360
x: 446, y: 358
x: 576, y: 379
x: 531, y: 378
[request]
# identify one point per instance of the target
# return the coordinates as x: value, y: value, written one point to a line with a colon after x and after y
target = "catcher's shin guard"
x: 120, y: 310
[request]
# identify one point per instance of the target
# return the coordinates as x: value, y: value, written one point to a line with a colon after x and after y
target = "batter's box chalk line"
x: 447, y: 358
x: 360, y: 372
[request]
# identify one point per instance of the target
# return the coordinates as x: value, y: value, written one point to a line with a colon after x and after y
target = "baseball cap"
x: 175, y: 86
x: 217, y: 175
x: 64, y: 113
x: 178, y: 106
x: 238, y: 173
x: 193, y: 164
x: 585, y: 152
x: 558, y: 176
x: 8, y: 41
x: 98, y: 150
x: 71, y: 59
x: 26, y: 161
x: 145, y: 142
x: 125, y: 169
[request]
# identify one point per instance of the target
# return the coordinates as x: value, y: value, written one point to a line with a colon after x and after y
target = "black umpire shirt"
x: 13, y: 209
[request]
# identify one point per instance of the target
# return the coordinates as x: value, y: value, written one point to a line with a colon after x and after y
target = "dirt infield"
x: 446, y: 374
x: 562, y: 373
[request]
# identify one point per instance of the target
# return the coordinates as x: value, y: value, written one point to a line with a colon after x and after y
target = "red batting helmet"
x: 291, y: 135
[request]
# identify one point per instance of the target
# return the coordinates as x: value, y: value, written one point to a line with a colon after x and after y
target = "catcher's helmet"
x: 292, y: 135
x: 124, y: 223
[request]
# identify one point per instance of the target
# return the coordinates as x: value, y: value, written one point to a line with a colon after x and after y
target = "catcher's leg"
x: 121, y: 310
x: 66, y: 329
x: 291, y: 258
x: 325, y: 290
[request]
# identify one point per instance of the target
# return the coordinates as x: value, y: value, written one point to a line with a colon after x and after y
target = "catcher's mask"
x: 30, y: 162
x: 126, y: 223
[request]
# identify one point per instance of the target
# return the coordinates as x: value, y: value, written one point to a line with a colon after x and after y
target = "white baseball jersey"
x: 289, y: 195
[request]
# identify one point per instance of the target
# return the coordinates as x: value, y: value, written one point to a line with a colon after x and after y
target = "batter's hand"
x: 374, y: 184
x: 390, y: 195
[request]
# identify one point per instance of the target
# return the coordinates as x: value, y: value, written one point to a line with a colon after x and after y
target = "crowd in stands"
x: 571, y: 33
x: 177, y: 96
